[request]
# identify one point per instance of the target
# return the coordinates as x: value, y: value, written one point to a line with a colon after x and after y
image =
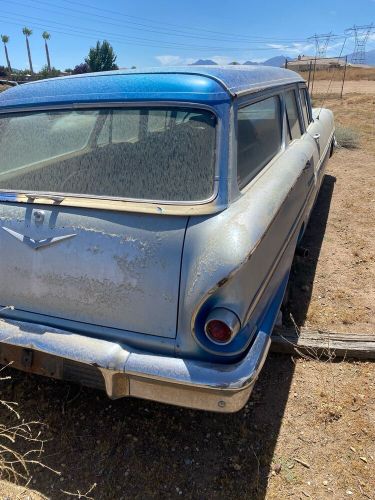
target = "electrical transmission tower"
x: 361, y: 35
x: 321, y: 44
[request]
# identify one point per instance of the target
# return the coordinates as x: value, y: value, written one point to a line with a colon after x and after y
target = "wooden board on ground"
x: 328, y: 344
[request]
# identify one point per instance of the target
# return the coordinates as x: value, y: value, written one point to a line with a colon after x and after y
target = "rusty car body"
x: 148, y: 223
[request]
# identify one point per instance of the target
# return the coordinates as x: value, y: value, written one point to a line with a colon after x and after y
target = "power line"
x: 145, y: 27
x: 333, y: 74
x: 66, y: 29
x: 182, y: 30
x: 121, y: 37
x: 190, y: 28
x: 321, y: 41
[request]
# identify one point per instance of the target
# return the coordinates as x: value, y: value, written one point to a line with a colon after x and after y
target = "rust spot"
x: 222, y: 282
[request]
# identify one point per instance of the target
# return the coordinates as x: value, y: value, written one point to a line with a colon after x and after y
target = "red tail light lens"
x: 222, y: 325
x: 218, y: 331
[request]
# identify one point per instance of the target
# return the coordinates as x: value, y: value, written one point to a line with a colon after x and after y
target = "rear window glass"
x: 163, y: 154
x: 258, y: 139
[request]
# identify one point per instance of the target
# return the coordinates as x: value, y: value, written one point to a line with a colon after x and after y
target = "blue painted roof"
x: 204, y: 84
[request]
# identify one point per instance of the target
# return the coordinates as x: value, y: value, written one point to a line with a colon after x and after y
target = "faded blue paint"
x: 238, y: 258
x: 8, y: 197
x: 200, y: 84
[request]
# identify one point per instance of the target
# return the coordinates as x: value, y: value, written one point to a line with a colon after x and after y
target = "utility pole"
x: 308, y: 84
x: 361, y: 35
x: 343, y: 78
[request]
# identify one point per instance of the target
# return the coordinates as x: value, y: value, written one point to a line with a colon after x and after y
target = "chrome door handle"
x: 316, y: 137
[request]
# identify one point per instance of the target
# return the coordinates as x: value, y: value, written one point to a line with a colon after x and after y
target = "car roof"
x: 203, y: 84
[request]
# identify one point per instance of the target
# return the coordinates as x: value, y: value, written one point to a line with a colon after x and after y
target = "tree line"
x: 100, y: 58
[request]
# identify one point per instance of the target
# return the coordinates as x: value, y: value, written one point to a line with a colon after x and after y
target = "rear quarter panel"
x: 230, y: 258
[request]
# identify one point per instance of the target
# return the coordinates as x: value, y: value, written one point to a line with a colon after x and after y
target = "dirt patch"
x: 350, y: 86
x: 333, y: 288
x: 308, y: 429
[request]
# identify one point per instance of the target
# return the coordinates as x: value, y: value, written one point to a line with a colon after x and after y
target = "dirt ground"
x: 308, y: 430
x: 350, y: 86
x: 333, y: 288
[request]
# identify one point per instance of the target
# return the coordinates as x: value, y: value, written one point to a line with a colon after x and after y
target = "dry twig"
x: 81, y: 495
x: 15, y: 465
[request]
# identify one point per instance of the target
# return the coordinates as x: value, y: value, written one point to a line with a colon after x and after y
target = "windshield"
x: 163, y: 154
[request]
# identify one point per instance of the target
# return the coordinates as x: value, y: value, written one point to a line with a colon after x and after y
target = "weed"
x: 346, y: 137
x: 15, y: 465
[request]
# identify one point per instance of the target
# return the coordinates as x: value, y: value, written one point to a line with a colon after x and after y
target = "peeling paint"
x: 117, y: 267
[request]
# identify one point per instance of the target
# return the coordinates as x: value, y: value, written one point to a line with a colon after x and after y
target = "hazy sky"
x: 151, y: 33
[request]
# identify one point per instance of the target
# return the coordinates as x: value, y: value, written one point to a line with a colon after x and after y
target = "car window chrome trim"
x: 281, y: 150
x: 271, y: 84
x: 175, y: 207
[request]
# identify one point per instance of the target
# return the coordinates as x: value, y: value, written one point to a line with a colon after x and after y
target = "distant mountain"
x: 279, y: 61
x: 204, y: 62
x: 369, y: 57
x: 250, y: 63
x: 276, y: 61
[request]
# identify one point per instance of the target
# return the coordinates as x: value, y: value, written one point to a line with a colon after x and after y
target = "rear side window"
x: 294, y: 126
x: 305, y: 107
x: 258, y: 139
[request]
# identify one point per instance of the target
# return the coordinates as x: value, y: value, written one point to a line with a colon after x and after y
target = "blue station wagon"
x: 148, y: 223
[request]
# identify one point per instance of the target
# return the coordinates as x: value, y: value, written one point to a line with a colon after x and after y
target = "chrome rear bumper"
x: 122, y: 372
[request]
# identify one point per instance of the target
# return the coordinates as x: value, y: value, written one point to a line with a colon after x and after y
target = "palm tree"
x: 28, y: 32
x: 46, y: 37
x: 5, y: 40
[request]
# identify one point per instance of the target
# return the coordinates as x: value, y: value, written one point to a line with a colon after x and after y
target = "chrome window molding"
x: 176, y: 207
x: 273, y: 85
x: 107, y: 104
x: 254, y: 99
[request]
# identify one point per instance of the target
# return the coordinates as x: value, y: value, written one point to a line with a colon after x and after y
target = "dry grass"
x: 346, y: 137
x: 21, y: 443
x: 354, y: 111
x: 352, y: 74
